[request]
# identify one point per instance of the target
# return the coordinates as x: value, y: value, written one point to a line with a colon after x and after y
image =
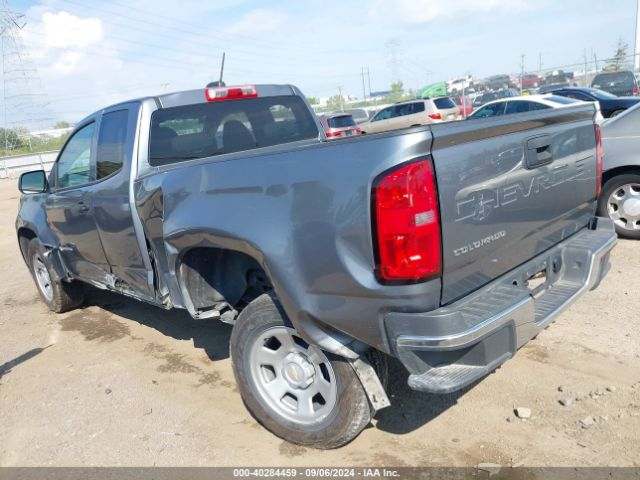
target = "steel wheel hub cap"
x: 298, y: 371
x: 294, y: 380
x: 623, y: 206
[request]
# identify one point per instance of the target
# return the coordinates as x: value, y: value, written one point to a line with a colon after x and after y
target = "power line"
x: 172, y: 21
x: 203, y: 40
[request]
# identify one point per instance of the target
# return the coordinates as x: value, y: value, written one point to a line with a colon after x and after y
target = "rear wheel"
x: 620, y: 201
x: 616, y: 113
x: 58, y: 295
x: 294, y: 389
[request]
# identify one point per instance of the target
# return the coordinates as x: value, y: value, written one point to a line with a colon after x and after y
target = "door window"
x: 74, y: 164
x: 112, y: 138
x: 418, y: 107
x: 383, y: 114
x: 518, y: 107
x: 405, y: 109
x: 491, y: 110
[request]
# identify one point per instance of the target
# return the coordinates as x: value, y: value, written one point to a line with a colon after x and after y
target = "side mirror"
x: 33, y: 182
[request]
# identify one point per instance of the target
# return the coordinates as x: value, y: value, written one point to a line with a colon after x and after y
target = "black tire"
x: 616, y: 113
x: 351, y: 413
x: 64, y: 296
x: 609, y: 188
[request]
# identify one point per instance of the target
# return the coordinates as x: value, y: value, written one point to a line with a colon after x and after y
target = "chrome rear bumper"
x: 453, y: 346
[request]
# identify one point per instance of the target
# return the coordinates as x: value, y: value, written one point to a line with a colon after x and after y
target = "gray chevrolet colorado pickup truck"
x: 447, y: 246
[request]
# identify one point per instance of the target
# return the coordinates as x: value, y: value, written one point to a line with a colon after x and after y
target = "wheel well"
x: 614, y: 172
x: 25, y: 235
x: 216, y: 278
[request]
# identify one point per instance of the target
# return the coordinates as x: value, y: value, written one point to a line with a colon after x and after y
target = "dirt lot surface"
x: 122, y: 383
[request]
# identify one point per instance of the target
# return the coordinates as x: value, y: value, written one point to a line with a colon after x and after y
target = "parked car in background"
x: 465, y: 105
x: 557, y: 77
x: 359, y: 114
x: 552, y: 87
x: 496, y: 82
x: 620, y: 197
x: 339, y: 125
x: 619, y: 83
x: 459, y: 84
x: 610, y: 105
x: 490, y: 96
x: 412, y: 114
x: 529, y: 103
x: 531, y: 80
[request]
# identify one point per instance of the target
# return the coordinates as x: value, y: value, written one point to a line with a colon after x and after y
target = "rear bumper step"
x: 451, y: 347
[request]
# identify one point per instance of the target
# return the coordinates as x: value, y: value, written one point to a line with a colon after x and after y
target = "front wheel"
x: 59, y: 296
x: 620, y: 201
x: 295, y: 390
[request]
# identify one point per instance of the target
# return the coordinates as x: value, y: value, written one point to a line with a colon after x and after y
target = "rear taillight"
x: 406, y: 224
x: 635, y: 90
x: 230, y: 93
x: 598, y: 160
x: 333, y: 134
x: 435, y: 116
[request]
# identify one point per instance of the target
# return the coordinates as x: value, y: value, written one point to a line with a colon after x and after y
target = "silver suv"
x: 411, y: 114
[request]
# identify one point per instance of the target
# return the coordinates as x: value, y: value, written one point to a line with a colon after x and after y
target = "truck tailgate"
x: 509, y: 189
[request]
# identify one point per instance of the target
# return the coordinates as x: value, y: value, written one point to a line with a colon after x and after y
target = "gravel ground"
x: 122, y: 383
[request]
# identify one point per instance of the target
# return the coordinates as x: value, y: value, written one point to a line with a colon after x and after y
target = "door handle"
x: 83, y: 208
x: 538, y: 151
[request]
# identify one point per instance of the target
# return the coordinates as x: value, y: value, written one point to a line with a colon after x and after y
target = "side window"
x: 418, y: 107
x: 402, y: 110
x: 490, y: 110
x: 539, y: 106
x: 74, y: 164
x: 110, y: 153
x: 383, y: 114
x: 518, y: 107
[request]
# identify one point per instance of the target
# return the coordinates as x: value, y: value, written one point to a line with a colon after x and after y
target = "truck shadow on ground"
x: 409, y: 409
x: 210, y: 335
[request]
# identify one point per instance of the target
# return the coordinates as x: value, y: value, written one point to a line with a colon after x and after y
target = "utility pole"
x: 369, y: 82
x: 636, y: 50
x: 392, y: 54
x: 364, y: 91
x: 521, y: 71
x: 586, y: 66
x: 595, y: 61
x: 540, y: 63
x: 341, y: 99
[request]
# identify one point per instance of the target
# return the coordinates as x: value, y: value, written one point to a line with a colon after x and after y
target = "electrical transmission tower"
x: 393, y: 47
x: 24, y: 101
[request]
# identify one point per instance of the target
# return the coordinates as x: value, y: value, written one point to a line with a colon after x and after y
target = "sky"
x: 89, y: 54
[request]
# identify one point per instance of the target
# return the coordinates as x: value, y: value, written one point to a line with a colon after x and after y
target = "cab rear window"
x: 207, y: 129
